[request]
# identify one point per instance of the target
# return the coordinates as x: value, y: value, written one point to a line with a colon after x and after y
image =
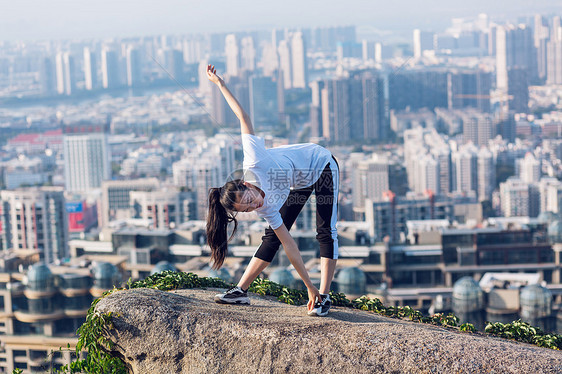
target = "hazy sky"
x: 56, y: 19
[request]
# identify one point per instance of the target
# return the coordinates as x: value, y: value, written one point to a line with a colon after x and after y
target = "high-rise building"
x: 166, y: 209
x: 516, y: 198
x: 116, y: 198
x: 469, y: 89
x: 232, y: 53
x: 37, y: 221
x: 427, y: 175
x: 529, y: 169
x: 286, y: 63
x: 541, y: 36
x: 554, y: 53
x: 86, y: 156
x: 506, y: 126
x: 478, y: 128
x: 207, y: 173
x: 175, y: 64
x: 370, y: 180
x: 193, y: 50
x: 387, y: 218
x: 269, y: 60
x: 134, y: 67
x: 430, y: 147
x: 486, y: 174
x: 371, y: 119
x: 263, y: 101
x: 406, y: 119
x: 553, y: 200
x: 423, y: 41
x: 418, y: 89
x: 325, y: 39
x: 247, y: 53
x: 219, y: 148
x: 501, y: 58
x: 316, y: 88
x: 414, y: 148
x: 465, y: 165
x: 518, y: 90
x: 65, y: 73
x: 349, y: 50
x: 90, y: 70
x: 342, y: 118
x: 47, y: 76
x: 335, y: 110
x: 514, y: 49
x: 276, y: 36
x: 379, y: 52
x: 492, y: 40
x: 109, y: 68
x: 549, y: 190
x: 299, y: 60
x: 367, y: 50
x: 442, y: 155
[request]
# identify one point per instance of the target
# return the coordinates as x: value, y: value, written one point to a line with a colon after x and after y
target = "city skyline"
x: 31, y: 20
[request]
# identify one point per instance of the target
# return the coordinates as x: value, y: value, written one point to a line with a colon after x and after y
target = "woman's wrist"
x: 309, y: 285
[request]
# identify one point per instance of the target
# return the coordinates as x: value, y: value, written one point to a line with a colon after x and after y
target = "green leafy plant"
x: 92, y: 339
x: 467, y: 327
x: 524, y: 332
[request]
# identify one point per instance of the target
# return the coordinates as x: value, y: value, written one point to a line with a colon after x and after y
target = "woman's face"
x: 249, y: 201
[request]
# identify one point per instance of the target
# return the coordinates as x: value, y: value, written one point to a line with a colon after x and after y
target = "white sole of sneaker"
x: 242, y: 300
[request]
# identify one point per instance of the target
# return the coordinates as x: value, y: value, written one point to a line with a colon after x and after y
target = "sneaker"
x: 321, y: 308
x: 235, y: 295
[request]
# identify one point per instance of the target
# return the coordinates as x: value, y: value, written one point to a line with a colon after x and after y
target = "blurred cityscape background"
x: 449, y: 142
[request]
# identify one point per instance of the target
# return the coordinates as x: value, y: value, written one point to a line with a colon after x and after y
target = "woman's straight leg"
x: 327, y: 189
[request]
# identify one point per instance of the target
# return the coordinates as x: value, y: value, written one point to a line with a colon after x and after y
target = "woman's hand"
x: 212, y: 75
x: 313, y: 295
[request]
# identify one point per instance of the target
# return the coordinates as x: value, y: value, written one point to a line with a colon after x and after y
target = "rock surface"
x: 186, y: 332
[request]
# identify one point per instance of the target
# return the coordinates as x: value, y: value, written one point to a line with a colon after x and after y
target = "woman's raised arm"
x: 245, y: 122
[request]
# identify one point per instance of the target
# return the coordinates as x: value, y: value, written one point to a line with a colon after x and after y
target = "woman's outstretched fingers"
x: 212, y: 74
x: 313, y: 297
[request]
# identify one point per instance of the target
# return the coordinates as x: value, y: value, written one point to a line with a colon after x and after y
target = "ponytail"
x: 221, y: 201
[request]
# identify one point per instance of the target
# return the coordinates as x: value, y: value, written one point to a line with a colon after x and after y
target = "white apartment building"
x: 166, y: 209
x: 486, y: 174
x: 370, y: 181
x: 35, y: 218
x: 86, y: 157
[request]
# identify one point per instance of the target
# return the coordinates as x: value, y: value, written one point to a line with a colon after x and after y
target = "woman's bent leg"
x: 327, y: 269
x: 255, y: 267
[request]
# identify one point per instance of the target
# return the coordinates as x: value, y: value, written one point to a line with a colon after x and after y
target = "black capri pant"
x: 326, y: 189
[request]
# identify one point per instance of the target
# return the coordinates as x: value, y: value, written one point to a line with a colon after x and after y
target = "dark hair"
x: 221, y: 205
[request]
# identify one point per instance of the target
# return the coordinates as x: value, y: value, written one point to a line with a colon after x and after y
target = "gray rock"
x: 186, y: 332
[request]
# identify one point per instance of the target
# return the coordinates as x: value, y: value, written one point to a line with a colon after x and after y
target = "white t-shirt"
x: 276, y: 170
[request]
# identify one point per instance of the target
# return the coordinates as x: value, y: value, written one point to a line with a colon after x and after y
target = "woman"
x: 277, y: 183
